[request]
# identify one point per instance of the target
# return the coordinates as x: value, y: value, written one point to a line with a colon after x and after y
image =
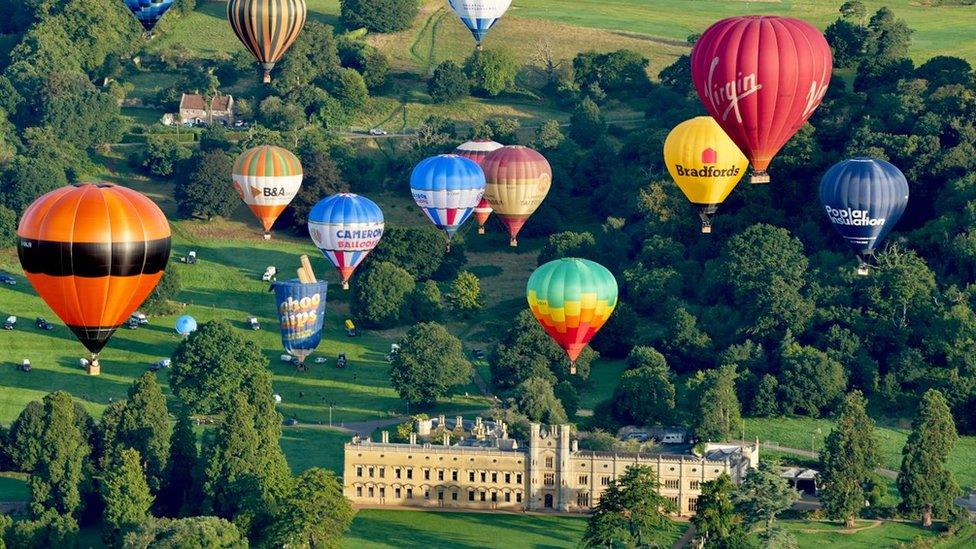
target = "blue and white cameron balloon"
x: 480, y: 15
x: 447, y: 188
x: 346, y: 227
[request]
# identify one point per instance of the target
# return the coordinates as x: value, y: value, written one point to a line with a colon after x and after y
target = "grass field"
x: 798, y: 432
x: 866, y: 535
x: 376, y: 529
x: 13, y: 487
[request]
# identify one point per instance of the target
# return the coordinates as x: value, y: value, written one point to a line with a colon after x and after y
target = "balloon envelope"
x: 267, y: 28
x: 447, y: 188
x: 761, y: 78
x: 346, y: 227
x: 267, y: 178
x: 478, y: 150
x: 480, y: 15
x: 301, y: 312
x: 705, y: 164
x: 185, y: 325
x: 148, y: 12
x: 572, y: 299
x: 864, y: 198
x: 93, y: 252
x: 519, y: 179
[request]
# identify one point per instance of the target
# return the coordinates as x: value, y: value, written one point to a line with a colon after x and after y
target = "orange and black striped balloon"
x: 267, y: 28
x: 93, y: 252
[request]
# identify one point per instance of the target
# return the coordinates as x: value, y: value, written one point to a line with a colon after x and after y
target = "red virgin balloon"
x: 761, y: 77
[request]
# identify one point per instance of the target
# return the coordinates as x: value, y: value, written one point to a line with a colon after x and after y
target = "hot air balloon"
x: 572, y: 299
x: 518, y: 181
x: 864, y: 198
x: 267, y: 28
x: 705, y: 164
x: 346, y: 227
x: 148, y: 12
x: 93, y: 252
x: 186, y: 325
x: 480, y: 15
x: 301, y: 311
x: 447, y: 188
x: 267, y: 178
x: 761, y: 77
x: 478, y: 150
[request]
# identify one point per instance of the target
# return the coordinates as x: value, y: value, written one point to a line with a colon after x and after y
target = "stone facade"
x: 195, y: 108
x: 550, y: 474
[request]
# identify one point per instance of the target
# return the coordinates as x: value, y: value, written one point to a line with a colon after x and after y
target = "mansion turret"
x: 488, y: 470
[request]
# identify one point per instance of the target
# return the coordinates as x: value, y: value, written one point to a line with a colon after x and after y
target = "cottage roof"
x: 193, y: 101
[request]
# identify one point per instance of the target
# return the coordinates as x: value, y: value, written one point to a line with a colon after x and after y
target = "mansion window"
x: 426, y: 474
x: 470, y: 495
x: 370, y: 472
x: 454, y: 496
x: 583, y: 499
x: 549, y: 461
x: 494, y: 477
x: 410, y: 473
x: 549, y: 479
x: 396, y: 472
x: 605, y: 480
x: 454, y: 475
x: 359, y: 471
x: 508, y: 496
x: 382, y: 472
x: 369, y: 491
x: 382, y: 492
x: 671, y: 483
x: 483, y: 476
x: 440, y: 495
x: 695, y: 484
x: 674, y: 500
x: 584, y: 479
x: 470, y: 476
x: 426, y: 494
x: 396, y: 493
x: 693, y: 504
x: 359, y: 491
x: 518, y: 497
x: 494, y: 496
x: 440, y: 474
x: 409, y: 493
x: 508, y: 478
x: 518, y: 478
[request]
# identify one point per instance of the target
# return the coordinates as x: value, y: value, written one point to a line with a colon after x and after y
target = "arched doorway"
x: 548, y: 501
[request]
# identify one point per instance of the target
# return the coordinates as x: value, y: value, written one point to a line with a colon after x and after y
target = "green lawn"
x: 867, y: 534
x: 13, y: 487
x: 798, y: 432
x: 375, y: 529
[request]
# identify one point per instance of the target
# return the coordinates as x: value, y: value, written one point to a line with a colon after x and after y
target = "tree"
x: 231, y: 481
x: 50, y: 529
x: 535, y: 398
x: 762, y: 495
x: 180, y: 467
x: 586, y: 125
x: 448, y: 83
x: 125, y: 494
x: 765, y: 268
x: 888, y: 38
x: 203, y: 190
x: 378, y: 15
x: 321, y: 178
x: 646, y: 357
x: 162, y: 155
x: 849, y: 457
x: 612, y: 72
x: 429, y: 362
x: 211, y: 366
x: 426, y: 302
x: 847, y: 41
x: 420, y: 251
x: 315, y: 514
x: 168, y: 288
x: 854, y: 9
x: 380, y: 296
x: 492, y: 71
x: 28, y: 178
x: 144, y: 427
x: 718, y: 414
x: 631, y: 511
x: 927, y: 488
x: 618, y: 334
x: 210, y: 532
x: 766, y: 402
x: 8, y: 227
x: 527, y: 351
x: 82, y: 114
x: 568, y: 396
x: 810, y: 381
x: 53, y: 446
x: 549, y: 136
x: 718, y: 525
x: 466, y: 293
x: 568, y: 244
x: 644, y: 396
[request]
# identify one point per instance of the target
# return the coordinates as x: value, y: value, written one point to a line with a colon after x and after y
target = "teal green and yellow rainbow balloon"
x: 572, y: 298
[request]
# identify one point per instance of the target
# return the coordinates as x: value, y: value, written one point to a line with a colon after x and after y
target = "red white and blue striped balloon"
x: 480, y: 15
x: 346, y: 227
x: 447, y: 188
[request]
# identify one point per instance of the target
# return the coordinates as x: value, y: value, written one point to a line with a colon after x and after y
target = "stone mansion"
x: 488, y: 470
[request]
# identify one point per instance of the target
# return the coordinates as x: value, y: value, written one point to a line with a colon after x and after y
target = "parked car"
x: 131, y: 324
x: 190, y: 258
x: 139, y: 318
x: 341, y: 360
x: 478, y: 354
x: 321, y: 360
x: 160, y: 364
x: 10, y: 323
x: 43, y: 324
x: 252, y: 322
x: 351, y: 330
x: 25, y: 365
x: 378, y: 131
x: 290, y: 422
x: 287, y: 358
x: 8, y: 280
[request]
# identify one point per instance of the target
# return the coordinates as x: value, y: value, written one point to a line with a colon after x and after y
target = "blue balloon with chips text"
x: 301, y: 311
x: 863, y: 199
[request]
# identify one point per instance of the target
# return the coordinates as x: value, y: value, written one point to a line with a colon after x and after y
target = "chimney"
x: 447, y: 439
x: 386, y: 437
x: 441, y: 421
x: 477, y: 421
x: 459, y: 422
x: 575, y: 446
x: 413, y: 438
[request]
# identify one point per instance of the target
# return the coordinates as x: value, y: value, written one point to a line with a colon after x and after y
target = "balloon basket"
x: 513, y: 243
x: 267, y: 236
x: 706, y: 229
x: 863, y: 270
x: 93, y: 368
x: 267, y: 77
x: 345, y: 285
x: 481, y: 230
x: 572, y: 368
x: 759, y: 178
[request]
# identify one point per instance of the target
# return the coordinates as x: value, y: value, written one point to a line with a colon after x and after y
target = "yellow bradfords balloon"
x: 705, y: 164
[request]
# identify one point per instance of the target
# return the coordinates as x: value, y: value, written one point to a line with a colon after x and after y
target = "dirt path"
x: 847, y: 531
x: 686, y: 538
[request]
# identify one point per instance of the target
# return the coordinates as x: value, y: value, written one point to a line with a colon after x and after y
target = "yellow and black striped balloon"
x: 267, y: 28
